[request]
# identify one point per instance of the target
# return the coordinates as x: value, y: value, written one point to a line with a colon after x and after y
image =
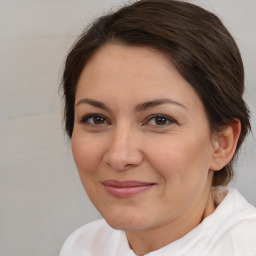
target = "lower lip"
x: 126, y: 192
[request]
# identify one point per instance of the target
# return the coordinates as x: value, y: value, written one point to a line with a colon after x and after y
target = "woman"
x: 154, y: 110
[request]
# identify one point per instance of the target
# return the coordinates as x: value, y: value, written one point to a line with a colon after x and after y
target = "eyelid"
x: 168, y: 118
x: 84, y: 119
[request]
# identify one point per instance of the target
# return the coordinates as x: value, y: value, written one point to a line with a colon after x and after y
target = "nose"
x: 124, y: 151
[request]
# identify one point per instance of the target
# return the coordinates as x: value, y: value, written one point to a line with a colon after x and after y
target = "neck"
x: 145, y: 241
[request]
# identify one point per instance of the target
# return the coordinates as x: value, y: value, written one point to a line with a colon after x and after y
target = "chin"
x: 125, y: 225
x: 124, y: 220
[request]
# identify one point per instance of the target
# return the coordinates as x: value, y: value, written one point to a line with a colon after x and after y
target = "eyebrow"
x: 150, y: 104
x: 140, y: 107
x: 93, y: 103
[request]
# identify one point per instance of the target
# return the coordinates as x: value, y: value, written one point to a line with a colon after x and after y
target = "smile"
x: 125, y: 189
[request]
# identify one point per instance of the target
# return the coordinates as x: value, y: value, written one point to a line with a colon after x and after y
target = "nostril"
x: 127, y: 166
x: 123, y: 160
x: 123, y: 152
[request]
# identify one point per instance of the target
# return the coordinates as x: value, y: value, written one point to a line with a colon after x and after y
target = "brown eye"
x: 94, y: 119
x: 98, y: 120
x: 160, y: 120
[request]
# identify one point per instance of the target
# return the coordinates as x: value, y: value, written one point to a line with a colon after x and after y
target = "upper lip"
x: 125, y: 184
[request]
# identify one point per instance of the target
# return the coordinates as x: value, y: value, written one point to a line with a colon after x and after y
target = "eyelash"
x: 85, y: 120
x: 166, y: 118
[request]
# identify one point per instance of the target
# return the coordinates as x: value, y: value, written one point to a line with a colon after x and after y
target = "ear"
x: 224, y: 145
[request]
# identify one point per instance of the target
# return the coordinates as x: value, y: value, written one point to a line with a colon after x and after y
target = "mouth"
x: 126, y: 189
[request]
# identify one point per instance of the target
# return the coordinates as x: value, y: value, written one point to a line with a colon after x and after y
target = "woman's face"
x: 141, y: 139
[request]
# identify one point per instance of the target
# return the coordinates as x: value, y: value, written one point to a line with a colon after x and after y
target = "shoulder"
x: 236, y: 208
x: 86, y: 240
x: 234, y: 223
x: 89, y: 230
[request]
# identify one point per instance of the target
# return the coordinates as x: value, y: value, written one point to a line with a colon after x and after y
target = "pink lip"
x: 125, y: 189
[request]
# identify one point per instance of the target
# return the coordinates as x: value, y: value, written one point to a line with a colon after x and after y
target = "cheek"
x: 180, y: 160
x: 86, y: 154
x: 168, y: 161
x: 170, y: 153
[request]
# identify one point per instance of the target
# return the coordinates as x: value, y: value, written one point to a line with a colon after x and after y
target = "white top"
x: 229, y: 231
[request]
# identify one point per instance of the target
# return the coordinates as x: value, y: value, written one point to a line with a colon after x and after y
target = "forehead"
x: 118, y: 71
x: 135, y: 61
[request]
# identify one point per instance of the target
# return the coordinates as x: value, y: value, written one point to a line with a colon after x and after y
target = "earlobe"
x: 224, y: 145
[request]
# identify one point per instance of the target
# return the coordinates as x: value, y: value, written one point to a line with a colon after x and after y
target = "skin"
x: 178, y: 154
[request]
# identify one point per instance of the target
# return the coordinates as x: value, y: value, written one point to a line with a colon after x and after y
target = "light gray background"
x: 41, y: 198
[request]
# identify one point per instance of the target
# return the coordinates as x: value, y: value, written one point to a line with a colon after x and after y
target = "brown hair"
x: 197, y: 43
